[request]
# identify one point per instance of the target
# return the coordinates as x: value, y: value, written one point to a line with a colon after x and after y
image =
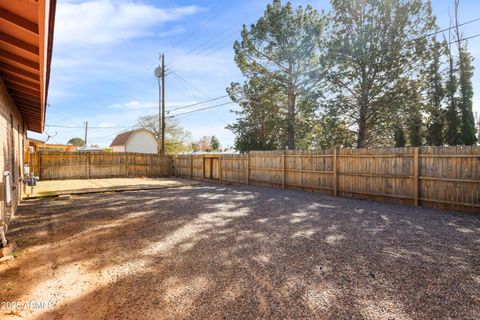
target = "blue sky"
x: 105, y: 52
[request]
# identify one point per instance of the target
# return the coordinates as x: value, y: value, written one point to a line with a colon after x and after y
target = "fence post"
x: 220, y: 167
x: 415, y: 176
x: 87, y: 158
x: 39, y: 166
x: 126, y: 164
x: 175, y: 163
x: 248, y: 167
x: 335, y: 179
x: 283, y: 169
x: 191, y: 167
x: 203, y: 166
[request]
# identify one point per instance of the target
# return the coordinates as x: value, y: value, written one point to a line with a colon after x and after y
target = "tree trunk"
x: 363, y: 110
x: 362, y: 131
x: 291, y: 110
x: 362, y: 122
x: 291, y: 118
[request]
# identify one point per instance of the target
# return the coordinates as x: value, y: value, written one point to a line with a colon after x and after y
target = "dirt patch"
x: 212, y: 251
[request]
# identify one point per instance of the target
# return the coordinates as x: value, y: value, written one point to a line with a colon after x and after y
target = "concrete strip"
x: 136, y: 185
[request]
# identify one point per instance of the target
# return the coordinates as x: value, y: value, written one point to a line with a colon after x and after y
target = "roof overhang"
x: 26, y: 40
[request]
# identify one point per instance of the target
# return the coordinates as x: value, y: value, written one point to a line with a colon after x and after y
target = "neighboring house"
x: 139, y: 140
x: 25, y: 53
x: 34, y: 145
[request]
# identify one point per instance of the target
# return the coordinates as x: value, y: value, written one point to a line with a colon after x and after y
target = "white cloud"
x: 108, y: 21
x: 134, y: 105
x: 171, y: 32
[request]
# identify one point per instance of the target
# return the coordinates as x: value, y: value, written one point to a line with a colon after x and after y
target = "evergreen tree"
x: 372, y: 50
x: 436, y: 93
x: 467, y: 121
x: 415, y: 129
x: 399, y: 137
x: 260, y: 124
x: 283, y: 47
x: 478, y: 127
x: 331, y: 131
x: 414, y: 116
x: 452, y: 135
x: 214, y: 143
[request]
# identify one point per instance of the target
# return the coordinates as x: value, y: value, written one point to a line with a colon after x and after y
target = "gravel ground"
x: 213, y: 251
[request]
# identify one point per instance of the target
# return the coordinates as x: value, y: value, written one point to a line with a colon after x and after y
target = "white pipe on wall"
x: 8, y: 203
x: 8, y: 188
x: 3, y: 230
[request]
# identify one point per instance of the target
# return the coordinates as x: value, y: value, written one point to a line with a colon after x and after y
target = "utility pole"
x: 160, y: 74
x: 86, y: 133
x: 163, y: 104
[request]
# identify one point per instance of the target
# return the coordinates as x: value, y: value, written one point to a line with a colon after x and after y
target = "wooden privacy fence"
x: 88, y: 165
x: 438, y: 177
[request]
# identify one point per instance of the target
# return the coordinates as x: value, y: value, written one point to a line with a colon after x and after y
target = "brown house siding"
x: 12, y: 142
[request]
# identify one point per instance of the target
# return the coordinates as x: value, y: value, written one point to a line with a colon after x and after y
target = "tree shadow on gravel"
x: 213, y: 251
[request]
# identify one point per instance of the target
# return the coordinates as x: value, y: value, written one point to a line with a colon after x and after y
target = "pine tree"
x: 452, y: 135
x: 331, y: 131
x: 214, y: 143
x: 436, y: 93
x: 414, y: 117
x: 260, y: 124
x: 467, y: 121
x: 478, y: 126
x: 399, y: 137
x: 283, y: 47
x: 372, y: 50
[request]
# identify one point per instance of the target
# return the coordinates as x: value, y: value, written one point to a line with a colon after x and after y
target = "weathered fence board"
x: 73, y: 165
x: 437, y: 177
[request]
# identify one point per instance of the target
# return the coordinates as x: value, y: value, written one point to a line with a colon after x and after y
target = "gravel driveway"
x: 212, y: 251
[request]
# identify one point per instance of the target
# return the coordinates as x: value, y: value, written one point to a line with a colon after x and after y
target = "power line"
x: 217, y: 42
x: 197, y: 103
x: 175, y: 74
x: 224, y: 31
x: 227, y: 103
x: 201, y: 109
x: 107, y: 136
x: 412, y: 41
x: 199, y: 27
x: 182, y: 84
x: 382, y: 49
x: 217, y: 36
x: 464, y: 39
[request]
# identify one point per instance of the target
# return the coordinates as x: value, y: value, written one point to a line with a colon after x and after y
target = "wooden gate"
x: 211, y: 166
